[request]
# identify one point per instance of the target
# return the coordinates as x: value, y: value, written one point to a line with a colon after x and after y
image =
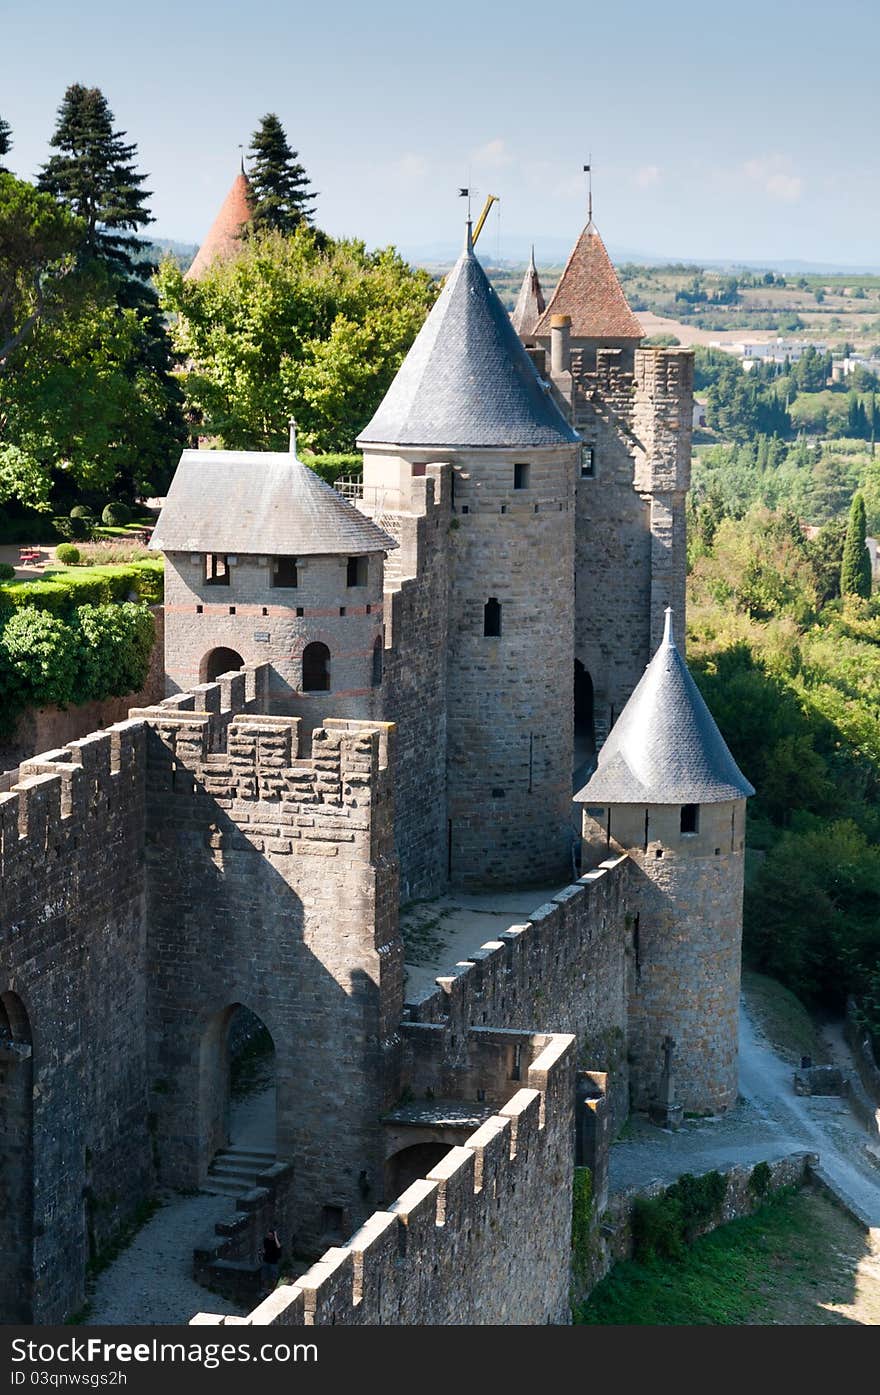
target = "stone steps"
x: 235, y: 1171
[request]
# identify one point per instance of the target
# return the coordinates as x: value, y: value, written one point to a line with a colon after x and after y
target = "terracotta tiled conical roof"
x: 467, y: 380
x: 224, y: 237
x: 591, y: 294
x: 530, y: 302
x: 664, y: 747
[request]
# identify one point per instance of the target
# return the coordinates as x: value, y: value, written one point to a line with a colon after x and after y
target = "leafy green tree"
x: 94, y: 174
x: 5, y: 142
x: 294, y: 326
x: 117, y: 641
x: 855, y: 568
x: 46, y: 655
x: 826, y: 555
x: 282, y: 190
x: 37, y: 242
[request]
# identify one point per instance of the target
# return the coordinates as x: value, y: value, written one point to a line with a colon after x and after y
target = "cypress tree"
x: 5, y: 142
x: 855, y: 569
x: 282, y: 190
x: 94, y: 174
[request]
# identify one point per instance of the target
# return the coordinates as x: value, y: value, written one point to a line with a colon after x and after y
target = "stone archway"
x: 237, y: 1091
x: 584, y: 719
x: 217, y: 661
x: 16, y: 1162
x: 409, y: 1164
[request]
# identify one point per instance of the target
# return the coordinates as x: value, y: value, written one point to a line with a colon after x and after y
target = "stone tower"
x: 280, y: 568
x: 468, y: 396
x: 633, y: 410
x: 668, y: 792
x: 530, y: 303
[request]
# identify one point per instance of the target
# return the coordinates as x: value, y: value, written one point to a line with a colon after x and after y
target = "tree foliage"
x: 282, y: 190
x: 37, y: 241
x: 855, y: 569
x: 296, y: 325
x: 5, y: 142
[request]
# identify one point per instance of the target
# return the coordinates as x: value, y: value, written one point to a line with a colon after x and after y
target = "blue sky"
x: 747, y: 131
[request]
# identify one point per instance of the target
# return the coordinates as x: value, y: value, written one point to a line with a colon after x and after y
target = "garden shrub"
x: 81, y: 511
x: 116, y: 642
x: 63, y: 593
x: 44, y: 654
x: 79, y: 527
x: 116, y: 514
x: 663, y: 1226
x: 67, y: 554
x: 7, y: 571
x: 759, y: 1179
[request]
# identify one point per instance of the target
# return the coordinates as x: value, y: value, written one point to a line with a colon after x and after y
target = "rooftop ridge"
x: 590, y: 292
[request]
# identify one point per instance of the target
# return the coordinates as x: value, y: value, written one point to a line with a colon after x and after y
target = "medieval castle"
x: 373, y: 695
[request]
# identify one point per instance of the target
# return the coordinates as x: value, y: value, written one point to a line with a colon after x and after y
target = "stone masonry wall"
x: 72, y: 970
x: 567, y: 969
x: 414, y: 687
x: 484, y: 1238
x: 272, y: 882
x: 686, y: 891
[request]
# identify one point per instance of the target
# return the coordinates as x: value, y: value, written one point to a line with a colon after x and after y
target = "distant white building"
x: 771, y: 350
x: 842, y: 367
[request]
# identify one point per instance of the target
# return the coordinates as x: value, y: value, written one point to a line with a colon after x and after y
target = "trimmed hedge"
x: 332, y: 467
x: 46, y: 660
x: 62, y: 593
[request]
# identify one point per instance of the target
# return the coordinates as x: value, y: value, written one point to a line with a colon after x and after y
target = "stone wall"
x: 261, y: 623
x: 484, y: 1238
x: 567, y: 969
x: 73, y: 990
x: 414, y: 687
x: 46, y: 728
x: 272, y: 882
x: 686, y: 900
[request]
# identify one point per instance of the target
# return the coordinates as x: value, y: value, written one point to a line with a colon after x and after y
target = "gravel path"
x: 151, y: 1281
x: 769, y: 1120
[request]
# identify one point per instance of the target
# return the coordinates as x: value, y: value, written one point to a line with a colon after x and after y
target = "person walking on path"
x: 271, y: 1260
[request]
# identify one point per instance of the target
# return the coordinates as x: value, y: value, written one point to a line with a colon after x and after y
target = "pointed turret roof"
x: 530, y: 302
x: 664, y: 747
x: 591, y: 294
x: 467, y: 380
x: 224, y: 235
x: 260, y: 502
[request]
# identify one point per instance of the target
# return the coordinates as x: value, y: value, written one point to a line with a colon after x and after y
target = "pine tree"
x: 282, y: 190
x: 5, y: 142
x: 855, y: 569
x: 94, y: 174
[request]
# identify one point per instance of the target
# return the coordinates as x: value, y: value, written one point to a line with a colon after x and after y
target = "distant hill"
x: 155, y: 248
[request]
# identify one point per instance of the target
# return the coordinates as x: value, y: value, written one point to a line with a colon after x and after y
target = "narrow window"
x: 356, y: 571
x: 492, y: 618
x: 216, y: 570
x: 588, y: 462
x: 520, y: 476
x: 316, y: 668
x: 690, y: 818
x: 377, y: 662
x: 284, y: 571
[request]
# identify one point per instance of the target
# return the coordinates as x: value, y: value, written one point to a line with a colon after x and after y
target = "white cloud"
x: 647, y: 176
x: 494, y: 155
x: 774, y: 175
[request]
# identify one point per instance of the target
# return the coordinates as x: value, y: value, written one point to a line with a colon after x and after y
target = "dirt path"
x: 769, y: 1120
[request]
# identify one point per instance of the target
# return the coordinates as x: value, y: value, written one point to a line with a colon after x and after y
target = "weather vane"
x: 588, y: 171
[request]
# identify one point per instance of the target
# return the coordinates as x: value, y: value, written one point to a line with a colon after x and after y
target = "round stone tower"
x: 468, y: 395
x: 667, y: 791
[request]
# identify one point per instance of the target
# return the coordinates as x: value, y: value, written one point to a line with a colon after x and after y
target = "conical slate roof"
x: 224, y: 235
x: 664, y: 747
x: 252, y: 502
x: 589, y: 291
x: 529, y: 303
x: 467, y: 380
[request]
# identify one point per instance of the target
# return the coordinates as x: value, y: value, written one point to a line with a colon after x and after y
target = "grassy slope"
x: 800, y: 1260
x: 782, y: 1018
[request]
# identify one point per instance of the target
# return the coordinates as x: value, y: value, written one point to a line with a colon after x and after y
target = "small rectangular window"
x: 690, y: 818
x: 284, y: 572
x: 356, y: 571
x: 331, y: 1220
x: 492, y: 618
x: 588, y: 463
x: 520, y: 476
x: 216, y: 569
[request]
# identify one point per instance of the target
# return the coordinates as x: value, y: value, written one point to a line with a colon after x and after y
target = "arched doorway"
x: 16, y: 1162
x: 237, y: 1099
x: 409, y: 1164
x: 220, y: 661
x: 584, y: 727
x: 316, y: 668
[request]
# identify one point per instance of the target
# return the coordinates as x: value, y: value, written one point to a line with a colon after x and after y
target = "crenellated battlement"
x: 88, y: 784
x: 459, y: 1245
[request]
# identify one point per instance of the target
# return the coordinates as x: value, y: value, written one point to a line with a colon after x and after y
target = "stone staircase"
x: 235, y: 1170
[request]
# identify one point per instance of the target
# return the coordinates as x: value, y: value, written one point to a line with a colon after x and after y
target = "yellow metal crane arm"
x: 493, y: 198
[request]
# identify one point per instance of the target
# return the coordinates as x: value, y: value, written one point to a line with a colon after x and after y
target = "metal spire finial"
x: 588, y: 171
x: 241, y: 157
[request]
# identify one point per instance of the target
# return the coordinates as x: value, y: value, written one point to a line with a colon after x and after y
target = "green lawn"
x: 800, y: 1260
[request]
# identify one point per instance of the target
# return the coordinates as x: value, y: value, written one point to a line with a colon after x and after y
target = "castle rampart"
x: 484, y: 1238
